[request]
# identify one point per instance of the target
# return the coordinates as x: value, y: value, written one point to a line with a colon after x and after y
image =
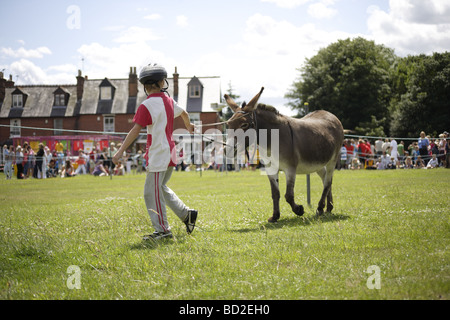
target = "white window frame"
x: 109, y: 124
x: 14, y: 129
x: 194, y: 91
x: 17, y: 100
x: 105, y: 93
x: 60, y: 100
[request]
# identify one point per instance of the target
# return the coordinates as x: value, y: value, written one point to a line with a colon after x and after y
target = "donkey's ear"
x: 233, y: 105
x: 252, y: 104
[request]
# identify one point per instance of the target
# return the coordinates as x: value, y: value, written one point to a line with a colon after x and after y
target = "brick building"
x: 106, y: 105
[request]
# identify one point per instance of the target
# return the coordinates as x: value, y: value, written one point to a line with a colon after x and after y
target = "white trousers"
x: 157, y: 194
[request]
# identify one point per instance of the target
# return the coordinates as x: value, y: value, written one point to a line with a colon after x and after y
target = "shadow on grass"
x: 153, y: 244
x: 295, y: 221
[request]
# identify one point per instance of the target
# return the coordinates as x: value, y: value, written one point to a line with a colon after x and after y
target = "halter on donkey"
x: 306, y: 145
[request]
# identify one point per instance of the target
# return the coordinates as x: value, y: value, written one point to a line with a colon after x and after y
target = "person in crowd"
x: 93, y: 155
x: 99, y: 169
x: 441, y: 149
x: 350, y: 152
x: 47, y: 158
x: 68, y: 170
x: 39, y: 171
x: 356, y: 165
x: 19, y: 162
x: 379, y: 147
x: 8, y: 155
x: 447, y: 150
x: 128, y: 161
x: 119, y: 169
x: 423, y: 144
x: 52, y: 168
x: 401, y: 151
x: 384, y: 160
x: 59, y: 148
x: 25, y: 162
x: 139, y: 160
x: 416, y: 152
x: 433, y: 163
x: 343, y: 157
x: 81, y: 161
x: 420, y: 164
x: 392, y: 164
x: 386, y: 146
x: 408, y: 163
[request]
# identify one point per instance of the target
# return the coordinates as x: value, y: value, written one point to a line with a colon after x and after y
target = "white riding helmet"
x: 152, y: 73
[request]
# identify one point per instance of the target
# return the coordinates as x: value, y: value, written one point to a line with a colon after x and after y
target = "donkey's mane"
x: 266, y: 107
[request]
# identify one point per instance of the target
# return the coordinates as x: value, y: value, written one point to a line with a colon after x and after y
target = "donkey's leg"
x: 326, y: 188
x: 330, y: 205
x: 289, y: 196
x: 275, y: 197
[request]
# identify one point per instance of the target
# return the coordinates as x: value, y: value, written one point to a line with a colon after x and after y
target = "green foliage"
x: 397, y: 220
x: 347, y: 78
x: 372, y: 90
x: 423, y: 99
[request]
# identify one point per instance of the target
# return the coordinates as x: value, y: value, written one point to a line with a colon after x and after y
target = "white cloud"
x: 289, y: 4
x: 423, y: 12
x: 182, y: 21
x: 410, y: 28
x: 136, y: 34
x: 24, y: 53
x: 322, y: 9
x: 28, y: 72
x: 153, y: 16
x: 113, y: 62
x: 268, y: 54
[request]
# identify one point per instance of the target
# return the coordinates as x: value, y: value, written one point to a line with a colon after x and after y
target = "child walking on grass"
x: 156, y: 114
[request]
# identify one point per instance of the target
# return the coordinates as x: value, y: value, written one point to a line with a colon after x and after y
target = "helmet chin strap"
x: 166, y: 88
x: 161, y: 89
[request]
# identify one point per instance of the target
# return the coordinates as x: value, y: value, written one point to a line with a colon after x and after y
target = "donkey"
x: 306, y: 145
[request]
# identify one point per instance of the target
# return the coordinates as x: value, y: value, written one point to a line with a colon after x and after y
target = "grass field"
x: 395, y: 220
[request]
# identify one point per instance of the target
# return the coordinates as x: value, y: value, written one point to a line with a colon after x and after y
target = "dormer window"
x: 17, y: 101
x: 194, y: 91
x: 61, y: 97
x: 60, y: 100
x: 106, y: 90
x: 105, y: 93
x: 18, y: 98
x: 195, y: 96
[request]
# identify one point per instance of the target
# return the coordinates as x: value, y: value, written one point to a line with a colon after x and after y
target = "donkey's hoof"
x: 299, y: 210
x: 319, y: 212
x: 272, y: 219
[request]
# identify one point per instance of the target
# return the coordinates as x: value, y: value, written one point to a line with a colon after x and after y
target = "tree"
x: 228, y: 113
x: 422, y: 101
x: 349, y: 78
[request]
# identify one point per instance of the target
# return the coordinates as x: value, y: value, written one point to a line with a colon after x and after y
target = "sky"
x: 248, y: 43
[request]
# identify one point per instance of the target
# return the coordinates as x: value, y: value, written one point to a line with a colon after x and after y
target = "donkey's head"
x: 242, y: 117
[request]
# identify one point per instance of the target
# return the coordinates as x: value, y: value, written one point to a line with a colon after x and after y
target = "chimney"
x: 80, y: 85
x: 2, y: 87
x: 175, y: 85
x: 9, y: 83
x: 132, y: 83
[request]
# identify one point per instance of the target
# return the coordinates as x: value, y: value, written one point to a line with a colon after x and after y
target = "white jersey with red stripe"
x: 157, y: 113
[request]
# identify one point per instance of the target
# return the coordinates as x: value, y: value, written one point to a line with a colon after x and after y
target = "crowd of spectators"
x: 425, y: 153
x: 24, y: 163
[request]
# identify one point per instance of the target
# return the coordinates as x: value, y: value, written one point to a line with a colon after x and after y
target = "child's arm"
x: 187, y: 122
x: 132, y: 135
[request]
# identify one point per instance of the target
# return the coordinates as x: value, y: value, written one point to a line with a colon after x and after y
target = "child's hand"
x: 116, y: 158
x: 191, y: 128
